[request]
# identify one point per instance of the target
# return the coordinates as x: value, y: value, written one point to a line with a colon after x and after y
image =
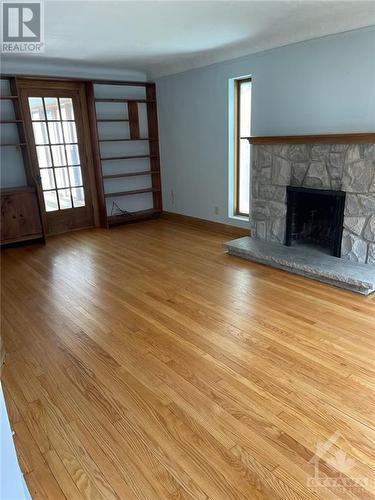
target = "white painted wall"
x: 323, y: 85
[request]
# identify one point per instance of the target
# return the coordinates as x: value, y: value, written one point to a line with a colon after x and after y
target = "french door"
x: 56, y: 124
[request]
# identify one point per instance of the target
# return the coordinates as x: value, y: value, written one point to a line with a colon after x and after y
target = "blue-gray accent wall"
x: 317, y: 86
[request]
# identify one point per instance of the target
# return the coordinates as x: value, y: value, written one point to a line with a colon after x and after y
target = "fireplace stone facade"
x: 345, y: 167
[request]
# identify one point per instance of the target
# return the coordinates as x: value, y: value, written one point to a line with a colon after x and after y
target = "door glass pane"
x: 72, y: 154
x: 66, y: 105
x: 50, y: 201
x: 70, y: 133
x: 62, y: 179
x: 36, y: 108
x: 44, y: 156
x: 56, y: 141
x: 48, y: 181
x: 78, y: 197
x: 75, y: 176
x: 58, y: 155
x: 55, y: 133
x: 40, y: 133
x: 64, y: 198
x: 52, y: 108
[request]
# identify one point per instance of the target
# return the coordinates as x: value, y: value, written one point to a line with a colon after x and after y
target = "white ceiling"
x: 164, y: 37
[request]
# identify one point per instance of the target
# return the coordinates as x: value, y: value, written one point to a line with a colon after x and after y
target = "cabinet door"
x: 28, y: 215
x: 9, y: 218
x: 20, y: 216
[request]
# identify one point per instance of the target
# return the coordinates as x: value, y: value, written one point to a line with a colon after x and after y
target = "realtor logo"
x: 23, y: 24
x: 339, y: 462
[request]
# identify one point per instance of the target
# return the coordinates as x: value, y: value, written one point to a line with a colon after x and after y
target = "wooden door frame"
x: 56, y: 85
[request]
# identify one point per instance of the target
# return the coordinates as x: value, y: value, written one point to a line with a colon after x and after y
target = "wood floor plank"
x: 144, y: 363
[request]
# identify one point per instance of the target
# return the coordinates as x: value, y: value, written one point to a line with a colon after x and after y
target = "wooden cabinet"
x: 20, y: 215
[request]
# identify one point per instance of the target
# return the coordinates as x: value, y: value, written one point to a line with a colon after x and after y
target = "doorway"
x: 61, y: 161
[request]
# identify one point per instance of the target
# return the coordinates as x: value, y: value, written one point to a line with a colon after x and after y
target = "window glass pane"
x: 48, y: 182
x: 75, y: 175
x: 245, y: 111
x: 66, y: 105
x: 58, y: 155
x: 244, y: 177
x: 52, y: 108
x: 62, y: 179
x: 40, y: 133
x: 78, y: 197
x: 72, y: 154
x: 70, y: 133
x: 50, y: 201
x: 36, y: 108
x: 44, y: 156
x: 64, y: 198
x: 55, y: 132
x: 243, y: 153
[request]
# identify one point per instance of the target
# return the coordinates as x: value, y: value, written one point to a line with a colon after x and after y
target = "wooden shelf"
x: 132, y: 174
x: 114, y: 220
x: 132, y: 157
x: 108, y: 120
x: 99, y: 99
x: 19, y: 144
x: 126, y: 140
x: 9, y: 97
x: 129, y: 193
x: 355, y: 138
x: 10, y: 121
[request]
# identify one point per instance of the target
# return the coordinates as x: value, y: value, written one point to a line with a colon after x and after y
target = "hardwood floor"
x: 143, y: 362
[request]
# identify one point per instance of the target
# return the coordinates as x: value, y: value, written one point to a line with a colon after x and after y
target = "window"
x: 242, y: 110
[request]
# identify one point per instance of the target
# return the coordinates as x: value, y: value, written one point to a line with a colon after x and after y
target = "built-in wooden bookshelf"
x: 128, y: 152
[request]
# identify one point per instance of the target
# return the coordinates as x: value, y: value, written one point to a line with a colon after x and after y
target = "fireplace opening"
x: 315, y: 217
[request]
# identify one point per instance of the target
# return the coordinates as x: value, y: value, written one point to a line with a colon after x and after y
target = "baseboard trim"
x: 208, y: 225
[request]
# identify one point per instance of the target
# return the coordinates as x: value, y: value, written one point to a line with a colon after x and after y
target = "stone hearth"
x: 345, y: 167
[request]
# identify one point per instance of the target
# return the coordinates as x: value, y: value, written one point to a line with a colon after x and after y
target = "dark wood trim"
x: 128, y: 193
x: 136, y: 83
x: 153, y: 131
x: 217, y: 227
x: 133, y: 119
x: 113, y: 99
x: 108, y: 120
x: 125, y: 140
x: 90, y: 96
x: 128, y: 157
x: 354, y: 138
x: 131, y: 174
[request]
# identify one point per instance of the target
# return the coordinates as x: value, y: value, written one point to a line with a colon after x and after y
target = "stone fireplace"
x: 348, y: 169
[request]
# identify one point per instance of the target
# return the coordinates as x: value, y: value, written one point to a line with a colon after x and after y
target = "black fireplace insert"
x: 315, y: 217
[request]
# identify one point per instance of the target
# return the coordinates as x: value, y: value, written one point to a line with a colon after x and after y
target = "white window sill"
x: 244, y: 218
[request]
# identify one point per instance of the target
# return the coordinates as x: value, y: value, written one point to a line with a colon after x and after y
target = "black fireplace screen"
x: 315, y: 216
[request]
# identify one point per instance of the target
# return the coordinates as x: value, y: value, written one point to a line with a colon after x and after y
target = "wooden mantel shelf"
x: 356, y: 138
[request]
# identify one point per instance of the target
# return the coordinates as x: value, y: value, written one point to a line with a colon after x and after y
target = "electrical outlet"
x: 216, y: 210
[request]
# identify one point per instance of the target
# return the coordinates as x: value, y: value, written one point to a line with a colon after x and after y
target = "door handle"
x: 38, y: 179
